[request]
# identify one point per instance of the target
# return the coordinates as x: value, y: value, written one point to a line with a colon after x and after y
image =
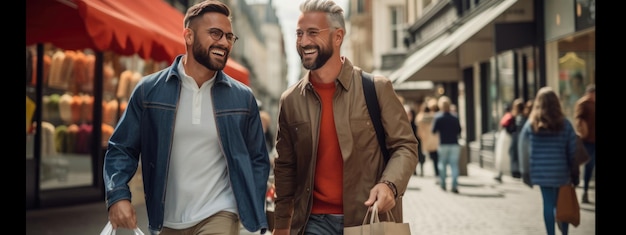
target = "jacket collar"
x: 220, y: 78
x: 343, y: 80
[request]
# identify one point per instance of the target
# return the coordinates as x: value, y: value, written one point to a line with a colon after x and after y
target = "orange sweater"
x: 328, y: 189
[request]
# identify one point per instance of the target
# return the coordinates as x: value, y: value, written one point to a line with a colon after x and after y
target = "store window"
x: 66, y: 116
x: 525, y: 80
x: 360, y: 6
x: 530, y: 84
x: 67, y: 149
x: 506, y: 81
x: 576, y: 69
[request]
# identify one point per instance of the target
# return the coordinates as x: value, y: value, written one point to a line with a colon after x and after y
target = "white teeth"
x: 309, y: 51
x: 218, y: 52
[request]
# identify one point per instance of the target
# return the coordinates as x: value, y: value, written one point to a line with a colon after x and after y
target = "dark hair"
x: 204, y: 7
x: 517, y: 107
x: 507, y: 107
x: 528, y: 107
x: 578, y: 76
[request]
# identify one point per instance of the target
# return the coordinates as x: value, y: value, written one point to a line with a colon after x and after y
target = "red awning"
x: 151, y: 29
x: 237, y: 71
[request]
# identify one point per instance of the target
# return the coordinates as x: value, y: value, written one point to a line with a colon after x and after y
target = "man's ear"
x: 188, y: 35
x: 339, y: 35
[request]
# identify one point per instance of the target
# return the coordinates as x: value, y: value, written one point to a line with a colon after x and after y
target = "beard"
x: 322, y: 57
x: 203, y: 56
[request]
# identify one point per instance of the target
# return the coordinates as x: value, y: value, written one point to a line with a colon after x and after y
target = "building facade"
x: 481, y: 53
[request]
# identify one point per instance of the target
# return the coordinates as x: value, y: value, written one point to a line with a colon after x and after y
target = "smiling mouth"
x: 217, y: 52
x: 309, y: 51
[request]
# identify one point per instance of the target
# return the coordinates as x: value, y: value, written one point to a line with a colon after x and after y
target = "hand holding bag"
x: 377, y: 227
x: 108, y: 230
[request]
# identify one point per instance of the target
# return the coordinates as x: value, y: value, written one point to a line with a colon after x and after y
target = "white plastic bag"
x: 108, y: 230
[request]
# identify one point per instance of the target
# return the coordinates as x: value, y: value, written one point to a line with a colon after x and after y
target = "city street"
x: 483, y: 207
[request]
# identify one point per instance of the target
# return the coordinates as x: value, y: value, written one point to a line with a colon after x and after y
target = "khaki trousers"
x: 222, y: 223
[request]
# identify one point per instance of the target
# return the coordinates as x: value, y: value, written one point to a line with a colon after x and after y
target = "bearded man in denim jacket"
x: 199, y: 137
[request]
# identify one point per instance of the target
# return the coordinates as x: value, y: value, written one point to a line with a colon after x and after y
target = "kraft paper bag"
x: 377, y: 227
x: 567, y: 207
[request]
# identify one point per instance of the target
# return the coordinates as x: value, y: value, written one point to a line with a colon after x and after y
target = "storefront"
x: 556, y: 49
x: 570, y: 49
x: 84, y: 57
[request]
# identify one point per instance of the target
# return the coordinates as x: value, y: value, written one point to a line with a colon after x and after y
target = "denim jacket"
x: 146, y: 129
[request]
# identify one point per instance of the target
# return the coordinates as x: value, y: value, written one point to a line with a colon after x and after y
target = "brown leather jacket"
x: 585, y: 119
x: 297, y: 140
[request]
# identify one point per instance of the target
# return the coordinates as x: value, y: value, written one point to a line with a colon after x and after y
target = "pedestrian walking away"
x: 330, y: 169
x: 585, y: 123
x: 548, y: 141
x: 424, y: 127
x: 199, y: 136
x: 519, y: 118
x: 449, y: 128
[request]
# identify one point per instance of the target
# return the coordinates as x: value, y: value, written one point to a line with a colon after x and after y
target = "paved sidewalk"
x: 483, y: 207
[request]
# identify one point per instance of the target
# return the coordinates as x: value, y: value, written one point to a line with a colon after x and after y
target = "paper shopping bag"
x: 380, y: 228
x: 377, y: 227
x: 567, y: 207
x: 108, y: 230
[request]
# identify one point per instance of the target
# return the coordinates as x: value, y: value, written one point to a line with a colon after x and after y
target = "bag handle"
x: 108, y: 230
x: 374, y: 217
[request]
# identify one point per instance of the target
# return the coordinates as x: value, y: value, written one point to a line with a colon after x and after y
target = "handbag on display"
x: 377, y: 227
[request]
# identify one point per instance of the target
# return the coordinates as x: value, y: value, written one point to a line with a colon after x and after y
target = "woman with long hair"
x: 424, y: 123
x: 547, y: 143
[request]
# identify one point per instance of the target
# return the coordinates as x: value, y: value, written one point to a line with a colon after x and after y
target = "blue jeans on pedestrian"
x: 591, y: 150
x: 549, y: 195
x: 324, y: 224
x: 449, y: 155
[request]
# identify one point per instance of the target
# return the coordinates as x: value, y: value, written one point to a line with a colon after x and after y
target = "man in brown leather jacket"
x: 330, y: 169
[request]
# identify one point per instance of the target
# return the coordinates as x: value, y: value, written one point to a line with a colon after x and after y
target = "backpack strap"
x: 373, y: 108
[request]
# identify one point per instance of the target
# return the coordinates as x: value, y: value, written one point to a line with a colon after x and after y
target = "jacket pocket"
x: 363, y: 133
x: 302, y: 137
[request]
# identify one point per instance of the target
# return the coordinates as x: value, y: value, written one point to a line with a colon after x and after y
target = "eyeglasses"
x: 217, y: 34
x: 312, y: 33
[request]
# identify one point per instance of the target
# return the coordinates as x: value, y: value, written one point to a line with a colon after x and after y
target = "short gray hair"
x: 333, y: 11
